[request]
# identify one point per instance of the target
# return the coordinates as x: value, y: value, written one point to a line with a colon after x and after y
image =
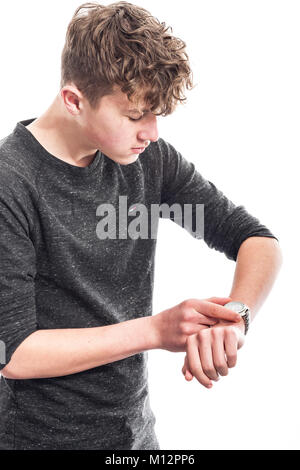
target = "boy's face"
x: 116, y: 129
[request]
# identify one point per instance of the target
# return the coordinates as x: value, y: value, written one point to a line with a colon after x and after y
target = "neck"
x: 59, y: 133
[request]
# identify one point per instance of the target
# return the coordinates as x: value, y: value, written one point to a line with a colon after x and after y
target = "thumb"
x: 214, y: 310
x: 220, y: 300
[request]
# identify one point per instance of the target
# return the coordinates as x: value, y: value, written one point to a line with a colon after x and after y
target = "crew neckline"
x: 52, y: 159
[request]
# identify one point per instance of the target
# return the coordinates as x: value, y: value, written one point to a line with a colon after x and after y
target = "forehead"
x: 120, y: 99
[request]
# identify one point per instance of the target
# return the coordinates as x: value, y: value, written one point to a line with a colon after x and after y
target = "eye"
x: 132, y: 119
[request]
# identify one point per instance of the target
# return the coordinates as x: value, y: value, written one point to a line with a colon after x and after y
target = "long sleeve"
x: 226, y: 225
x: 17, y: 270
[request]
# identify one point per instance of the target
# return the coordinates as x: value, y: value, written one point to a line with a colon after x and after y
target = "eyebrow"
x: 138, y: 111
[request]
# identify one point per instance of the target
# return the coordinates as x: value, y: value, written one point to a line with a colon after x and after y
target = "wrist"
x: 243, y: 310
x: 153, y: 327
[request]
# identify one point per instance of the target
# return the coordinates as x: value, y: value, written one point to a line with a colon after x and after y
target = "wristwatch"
x: 243, y: 310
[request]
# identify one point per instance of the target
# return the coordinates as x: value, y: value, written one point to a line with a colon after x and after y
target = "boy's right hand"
x: 175, y: 324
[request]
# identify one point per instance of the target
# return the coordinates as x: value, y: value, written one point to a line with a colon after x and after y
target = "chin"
x: 124, y: 161
x: 128, y: 160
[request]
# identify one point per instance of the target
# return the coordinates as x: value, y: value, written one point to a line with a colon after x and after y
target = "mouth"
x: 138, y: 149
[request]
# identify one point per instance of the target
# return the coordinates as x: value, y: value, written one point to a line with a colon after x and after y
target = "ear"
x: 72, y: 99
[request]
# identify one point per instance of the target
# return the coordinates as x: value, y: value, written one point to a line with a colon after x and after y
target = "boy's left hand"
x: 212, y: 351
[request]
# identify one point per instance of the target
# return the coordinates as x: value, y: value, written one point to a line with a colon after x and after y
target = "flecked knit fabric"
x: 56, y: 272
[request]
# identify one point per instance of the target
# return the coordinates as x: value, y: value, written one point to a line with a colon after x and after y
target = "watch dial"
x: 235, y: 306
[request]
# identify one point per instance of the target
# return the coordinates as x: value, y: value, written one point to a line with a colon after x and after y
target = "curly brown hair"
x: 124, y: 45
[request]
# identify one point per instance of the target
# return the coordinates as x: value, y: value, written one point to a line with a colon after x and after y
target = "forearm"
x: 258, y: 263
x: 53, y: 353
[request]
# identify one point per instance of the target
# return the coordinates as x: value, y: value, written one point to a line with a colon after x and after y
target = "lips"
x: 138, y: 150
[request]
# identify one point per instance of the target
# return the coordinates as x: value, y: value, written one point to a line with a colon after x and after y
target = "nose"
x: 149, y: 130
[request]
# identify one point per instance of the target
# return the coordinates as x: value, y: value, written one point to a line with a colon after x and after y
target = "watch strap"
x: 246, y: 318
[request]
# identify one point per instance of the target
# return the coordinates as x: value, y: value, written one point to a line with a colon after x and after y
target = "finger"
x: 218, y: 351
x: 194, y: 328
x: 204, y: 345
x: 203, y: 319
x: 193, y: 359
x: 219, y: 300
x: 231, y: 346
x: 214, y: 310
x: 185, y: 370
x: 188, y: 374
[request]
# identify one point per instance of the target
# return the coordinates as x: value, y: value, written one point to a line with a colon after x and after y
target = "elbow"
x: 266, y: 244
x: 8, y: 372
x: 13, y: 371
x: 267, y: 247
x: 19, y: 366
x: 278, y: 254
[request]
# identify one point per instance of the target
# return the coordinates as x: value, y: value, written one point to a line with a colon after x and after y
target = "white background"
x: 241, y: 129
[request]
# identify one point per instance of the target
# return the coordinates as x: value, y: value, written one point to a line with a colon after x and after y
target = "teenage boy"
x: 75, y: 303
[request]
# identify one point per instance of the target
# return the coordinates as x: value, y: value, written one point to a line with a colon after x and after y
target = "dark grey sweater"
x: 56, y: 272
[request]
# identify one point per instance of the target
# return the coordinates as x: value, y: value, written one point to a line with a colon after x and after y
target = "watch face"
x: 238, y: 307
